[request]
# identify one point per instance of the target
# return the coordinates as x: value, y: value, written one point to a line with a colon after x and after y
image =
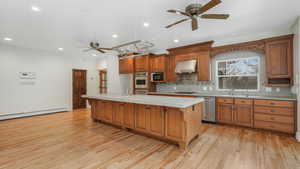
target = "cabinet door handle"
x: 272, y: 104
x: 147, y: 108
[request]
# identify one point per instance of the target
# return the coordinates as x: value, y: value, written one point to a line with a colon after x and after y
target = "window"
x: 238, y: 74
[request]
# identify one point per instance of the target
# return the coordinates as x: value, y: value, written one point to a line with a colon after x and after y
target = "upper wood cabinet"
x: 158, y: 63
x: 279, y: 61
x: 141, y: 63
x: 126, y: 65
x: 199, y: 52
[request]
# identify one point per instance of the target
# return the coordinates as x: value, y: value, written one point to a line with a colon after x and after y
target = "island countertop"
x: 166, y: 101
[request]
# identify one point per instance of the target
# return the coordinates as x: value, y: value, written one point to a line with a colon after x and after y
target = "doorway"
x: 79, y: 88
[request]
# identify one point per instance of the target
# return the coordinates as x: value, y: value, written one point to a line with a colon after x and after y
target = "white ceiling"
x: 72, y: 24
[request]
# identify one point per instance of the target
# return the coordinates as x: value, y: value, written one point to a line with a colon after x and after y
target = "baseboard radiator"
x: 32, y: 113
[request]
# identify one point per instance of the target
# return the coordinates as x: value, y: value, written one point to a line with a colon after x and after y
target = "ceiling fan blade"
x: 86, y: 50
x: 105, y: 48
x: 178, y: 22
x: 194, y: 23
x: 100, y: 50
x: 208, y: 6
x: 215, y: 16
x: 126, y: 44
x: 179, y: 12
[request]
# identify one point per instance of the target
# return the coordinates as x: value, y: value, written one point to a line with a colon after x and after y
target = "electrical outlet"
x: 277, y: 89
x: 204, y: 88
x: 268, y: 89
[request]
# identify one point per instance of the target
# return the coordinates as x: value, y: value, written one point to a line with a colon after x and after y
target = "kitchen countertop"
x: 286, y: 98
x: 149, y: 100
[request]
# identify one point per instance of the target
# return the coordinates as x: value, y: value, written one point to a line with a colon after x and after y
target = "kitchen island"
x: 172, y: 119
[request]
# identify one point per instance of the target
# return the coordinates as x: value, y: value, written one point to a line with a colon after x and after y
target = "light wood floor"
x: 71, y: 140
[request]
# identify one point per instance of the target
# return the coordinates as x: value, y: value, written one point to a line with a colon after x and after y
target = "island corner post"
x: 171, y: 124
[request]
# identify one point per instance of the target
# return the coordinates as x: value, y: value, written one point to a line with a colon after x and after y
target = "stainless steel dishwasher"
x: 209, y: 113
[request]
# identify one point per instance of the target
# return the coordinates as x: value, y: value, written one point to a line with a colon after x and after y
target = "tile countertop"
x: 174, y: 102
x: 285, y: 98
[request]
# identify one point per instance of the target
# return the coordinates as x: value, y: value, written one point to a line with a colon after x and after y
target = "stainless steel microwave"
x: 157, y: 77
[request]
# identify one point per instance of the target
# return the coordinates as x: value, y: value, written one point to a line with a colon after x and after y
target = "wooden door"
x: 174, y: 124
x: 129, y: 116
x: 79, y: 88
x: 108, y: 111
x: 141, y: 64
x: 118, y: 113
x: 141, y: 112
x: 243, y: 115
x: 126, y: 65
x: 225, y: 113
x: 156, y: 120
x: 279, y: 59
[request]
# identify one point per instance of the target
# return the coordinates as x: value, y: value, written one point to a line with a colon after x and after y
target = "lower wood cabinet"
x: 107, y: 111
x: 149, y: 119
x: 235, y: 111
x: 180, y: 125
x: 174, y: 124
x: 129, y: 115
x: 257, y: 113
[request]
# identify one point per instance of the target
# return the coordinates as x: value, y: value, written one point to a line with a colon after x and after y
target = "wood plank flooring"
x: 71, y: 141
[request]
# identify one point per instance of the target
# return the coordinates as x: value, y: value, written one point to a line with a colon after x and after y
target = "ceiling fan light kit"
x: 195, y: 11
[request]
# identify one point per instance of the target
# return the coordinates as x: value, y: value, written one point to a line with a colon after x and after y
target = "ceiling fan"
x: 194, y: 11
x: 96, y: 46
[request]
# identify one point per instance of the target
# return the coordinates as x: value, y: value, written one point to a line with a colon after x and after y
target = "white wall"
x: 296, y: 31
x: 116, y: 83
x: 52, y: 89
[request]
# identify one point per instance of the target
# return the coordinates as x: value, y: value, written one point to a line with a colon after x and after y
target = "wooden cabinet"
x: 107, y: 111
x: 126, y: 65
x: 174, y: 124
x: 129, y: 116
x: 279, y: 61
x: 275, y: 115
x: 141, y: 63
x: 225, y: 113
x: 158, y: 63
x: 235, y: 111
x: 156, y: 120
x: 243, y: 115
x: 204, y: 65
x: 141, y: 117
x: 149, y: 119
x: 118, y: 113
x: 99, y: 110
x: 180, y: 125
x: 170, y: 74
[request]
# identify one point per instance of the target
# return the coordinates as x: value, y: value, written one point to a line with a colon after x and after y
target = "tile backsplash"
x: 189, y: 82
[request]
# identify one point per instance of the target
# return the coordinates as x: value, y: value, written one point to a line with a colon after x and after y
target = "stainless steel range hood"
x: 186, y: 66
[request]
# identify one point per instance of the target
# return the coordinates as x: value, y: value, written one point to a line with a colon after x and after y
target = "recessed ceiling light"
x: 176, y: 40
x: 94, y: 55
x: 35, y: 8
x: 60, y: 49
x: 114, y: 35
x: 7, y: 39
x: 146, y: 24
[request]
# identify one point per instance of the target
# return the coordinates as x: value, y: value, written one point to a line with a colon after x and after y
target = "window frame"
x: 234, y: 59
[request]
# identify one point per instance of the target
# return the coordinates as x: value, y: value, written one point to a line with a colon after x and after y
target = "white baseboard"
x: 34, y: 113
x: 298, y: 136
